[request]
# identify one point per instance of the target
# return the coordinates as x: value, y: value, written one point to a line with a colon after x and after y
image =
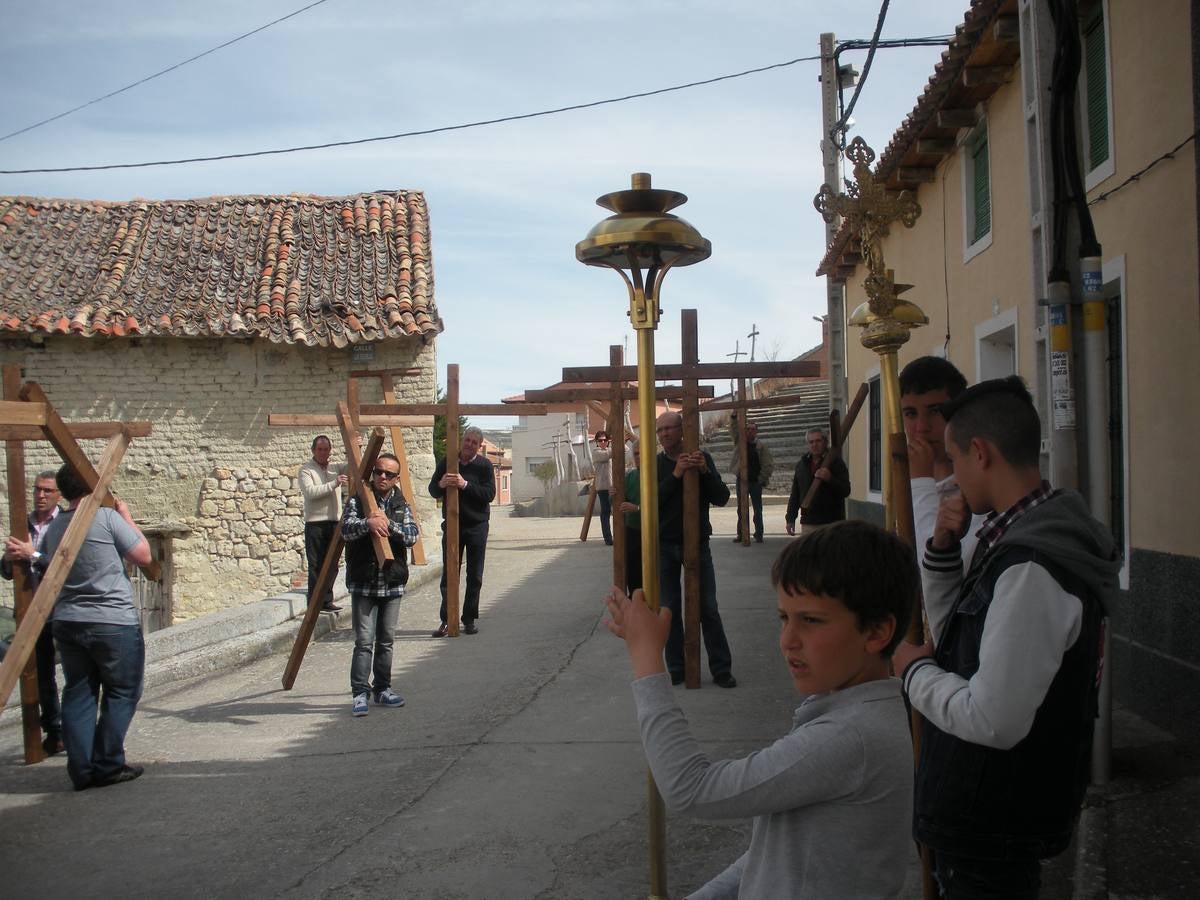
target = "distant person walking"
x: 829, y: 502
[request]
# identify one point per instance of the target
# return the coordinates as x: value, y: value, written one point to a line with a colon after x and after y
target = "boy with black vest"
x: 1008, y: 689
x: 375, y: 594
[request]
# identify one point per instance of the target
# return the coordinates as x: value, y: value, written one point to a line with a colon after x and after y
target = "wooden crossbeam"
x: 328, y: 566
x: 578, y: 395
x: 65, y: 554
x: 464, y: 409
x: 59, y: 435
x: 698, y: 371
x: 362, y: 489
x: 79, y: 431
x: 16, y: 412
x: 309, y: 420
x: 760, y: 403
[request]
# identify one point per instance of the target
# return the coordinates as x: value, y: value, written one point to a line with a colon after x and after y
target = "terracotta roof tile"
x: 298, y: 269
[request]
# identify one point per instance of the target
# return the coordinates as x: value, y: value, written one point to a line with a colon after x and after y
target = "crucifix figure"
x: 27, y: 414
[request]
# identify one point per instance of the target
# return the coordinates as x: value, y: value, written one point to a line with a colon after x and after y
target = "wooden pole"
x: 453, y: 546
x: 328, y: 567
x: 406, y: 485
x: 23, y: 641
x: 691, y: 509
x: 743, y: 474
x: 18, y: 517
x: 362, y: 487
x: 614, y: 424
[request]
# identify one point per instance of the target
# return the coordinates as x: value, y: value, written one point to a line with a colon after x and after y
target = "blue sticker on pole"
x: 1091, y: 282
x: 1058, y: 315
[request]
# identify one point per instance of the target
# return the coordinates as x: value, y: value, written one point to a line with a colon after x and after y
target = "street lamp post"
x: 641, y: 241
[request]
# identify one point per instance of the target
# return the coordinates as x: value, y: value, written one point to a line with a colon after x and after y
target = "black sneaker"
x: 725, y: 680
x: 676, y: 678
x: 469, y: 627
x: 440, y: 631
x: 125, y: 773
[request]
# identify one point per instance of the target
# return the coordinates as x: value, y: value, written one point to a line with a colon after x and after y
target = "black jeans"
x: 755, y: 504
x: 633, y: 559
x: 472, y: 544
x: 712, y: 629
x: 605, y: 499
x: 317, y: 538
x: 47, y: 682
x: 963, y: 878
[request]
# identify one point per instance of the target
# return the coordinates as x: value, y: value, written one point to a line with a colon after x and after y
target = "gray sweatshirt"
x: 831, y: 800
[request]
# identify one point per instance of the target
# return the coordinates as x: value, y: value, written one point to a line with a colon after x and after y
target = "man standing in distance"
x: 760, y: 463
x: 829, y: 502
x: 28, y: 553
x: 99, y: 637
x: 322, y: 490
x: 375, y: 594
x: 476, y: 483
x: 673, y: 463
x: 602, y: 460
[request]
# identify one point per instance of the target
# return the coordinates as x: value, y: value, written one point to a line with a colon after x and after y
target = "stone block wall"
x: 212, y: 463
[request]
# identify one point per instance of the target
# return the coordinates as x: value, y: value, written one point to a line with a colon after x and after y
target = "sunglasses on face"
x: 385, y: 473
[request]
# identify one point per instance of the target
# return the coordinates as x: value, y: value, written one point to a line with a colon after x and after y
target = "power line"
x: 1170, y: 154
x: 838, y: 131
x: 160, y: 72
x: 408, y: 134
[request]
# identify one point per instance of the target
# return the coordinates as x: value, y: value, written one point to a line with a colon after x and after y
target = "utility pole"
x: 831, y: 76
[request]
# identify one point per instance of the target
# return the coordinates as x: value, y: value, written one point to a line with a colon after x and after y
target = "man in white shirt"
x: 322, y: 490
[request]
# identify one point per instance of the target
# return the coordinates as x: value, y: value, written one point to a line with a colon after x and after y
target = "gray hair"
x: 475, y: 430
x: 46, y: 475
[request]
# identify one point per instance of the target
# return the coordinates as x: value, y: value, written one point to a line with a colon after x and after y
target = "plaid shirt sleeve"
x: 406, y: 529
x: 354, y: 526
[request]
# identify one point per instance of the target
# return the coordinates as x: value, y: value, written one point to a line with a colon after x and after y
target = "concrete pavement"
x: 514, y: 771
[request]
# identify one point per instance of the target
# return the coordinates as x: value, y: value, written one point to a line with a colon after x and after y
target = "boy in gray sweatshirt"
x: 827, y: 798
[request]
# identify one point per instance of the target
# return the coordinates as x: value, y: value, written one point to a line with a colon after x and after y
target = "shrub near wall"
x: 212, y: 464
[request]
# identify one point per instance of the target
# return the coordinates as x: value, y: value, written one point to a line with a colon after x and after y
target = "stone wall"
x: 212, y: 464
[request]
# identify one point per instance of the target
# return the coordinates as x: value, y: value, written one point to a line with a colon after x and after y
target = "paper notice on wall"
x: 1061, y: 395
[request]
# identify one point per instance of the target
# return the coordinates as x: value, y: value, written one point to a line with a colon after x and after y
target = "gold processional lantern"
x: 642, y: 241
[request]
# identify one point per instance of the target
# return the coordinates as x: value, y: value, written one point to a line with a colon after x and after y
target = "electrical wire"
x: 1170, y: 154
x: 837, y: 133
x: 159, y: 73
x: 408, y: 134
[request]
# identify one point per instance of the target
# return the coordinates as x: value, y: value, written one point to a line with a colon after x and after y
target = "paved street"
x: 513, y: 772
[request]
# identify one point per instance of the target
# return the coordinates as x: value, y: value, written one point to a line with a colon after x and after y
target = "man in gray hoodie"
x: 1007, y: 689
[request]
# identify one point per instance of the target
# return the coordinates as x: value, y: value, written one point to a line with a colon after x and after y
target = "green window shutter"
x: 981, y: 190
x: 1096, y: 73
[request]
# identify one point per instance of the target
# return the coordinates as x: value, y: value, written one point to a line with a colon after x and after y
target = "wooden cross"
x: 867, y: 206
x: 26, y: 414
x: 452, y: 409
x: 689, y: 372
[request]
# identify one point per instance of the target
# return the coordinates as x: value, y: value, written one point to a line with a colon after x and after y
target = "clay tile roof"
x: 318, y: 271
x: 974, y: 42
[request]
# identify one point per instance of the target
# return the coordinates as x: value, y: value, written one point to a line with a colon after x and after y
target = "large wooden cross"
x: 26, y: 414
x: 689, y: 372
x: 451, y: 408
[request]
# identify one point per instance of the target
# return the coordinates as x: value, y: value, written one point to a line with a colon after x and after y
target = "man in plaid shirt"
x: 374, y: 593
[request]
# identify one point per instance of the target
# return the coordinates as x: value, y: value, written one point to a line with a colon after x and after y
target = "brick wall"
x: 212, y: 463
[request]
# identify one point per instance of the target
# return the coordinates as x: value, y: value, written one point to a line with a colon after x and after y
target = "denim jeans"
x: 670, y: 567
x: 47, y: 681
x: 317, y: 538
x: 605, y: 499
x: 755, y: 504
x: 972, y: 879
x: 472, y: 545
x: 374, y: 632
x: 103, y: 666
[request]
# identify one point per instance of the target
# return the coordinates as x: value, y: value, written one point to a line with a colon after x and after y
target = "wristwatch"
x: 36, y: 557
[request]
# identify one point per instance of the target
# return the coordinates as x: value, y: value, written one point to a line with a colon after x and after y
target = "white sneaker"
x: 359, y: 707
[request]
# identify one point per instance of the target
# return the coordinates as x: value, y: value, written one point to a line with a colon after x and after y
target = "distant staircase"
x: 783, y: 429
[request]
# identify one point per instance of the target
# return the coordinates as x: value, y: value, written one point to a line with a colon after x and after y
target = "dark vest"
x: 753, y: 465
x: 1020, y: 803
x: 361, y: 565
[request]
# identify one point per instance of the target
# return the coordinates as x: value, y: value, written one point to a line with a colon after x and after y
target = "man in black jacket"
x: 829, y: 502
x: 476, y: 483
x: 375, y: 594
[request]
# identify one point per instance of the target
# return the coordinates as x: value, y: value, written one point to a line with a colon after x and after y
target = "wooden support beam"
x: 974, y: 76
x: 21, y: 648
x: 964, y: 117
x: 615, y: 426
x: 18, y: 519
x: 917, y: 174
x: 743, y: 485
x: 308, y: 420
x: 80, y: 431
x: 940, y: 146
x: 59, y: 435
x: 1006, y: 29
x: 762, y: 403
x: 386, y: 373
x: 690, y: 356
x: 452, y: 558
x: 406, y: 485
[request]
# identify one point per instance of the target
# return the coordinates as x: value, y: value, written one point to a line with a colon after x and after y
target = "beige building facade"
x: 975, y: 154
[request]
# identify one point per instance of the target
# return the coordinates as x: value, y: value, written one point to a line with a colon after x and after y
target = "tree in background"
x: 439, y: 429
x: 546, y: 472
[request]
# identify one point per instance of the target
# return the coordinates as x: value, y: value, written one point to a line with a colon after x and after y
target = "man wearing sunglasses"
x: 374, y: 593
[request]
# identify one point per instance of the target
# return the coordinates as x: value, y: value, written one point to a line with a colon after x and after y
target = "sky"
x: 507, y: 202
